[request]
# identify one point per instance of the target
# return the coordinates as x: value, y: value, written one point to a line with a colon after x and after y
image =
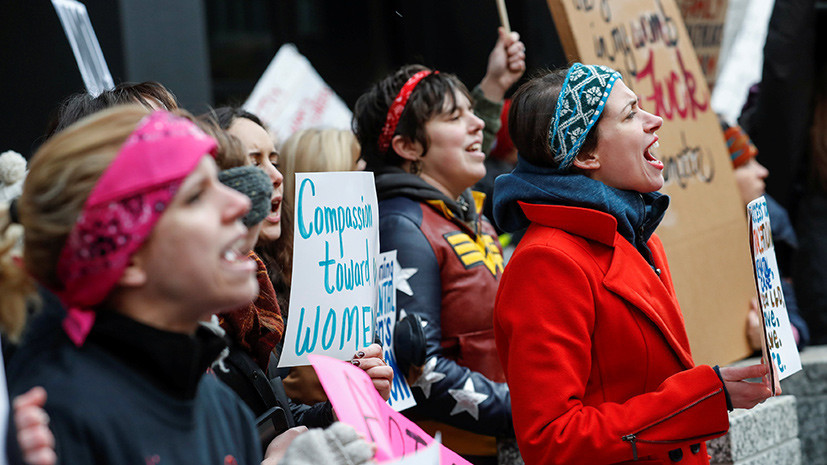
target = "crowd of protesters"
x: 146, y: 268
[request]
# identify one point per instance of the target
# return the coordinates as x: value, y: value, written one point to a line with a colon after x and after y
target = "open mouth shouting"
x: 234, y: 256
x: 650, y: 158
x: 275, y: 210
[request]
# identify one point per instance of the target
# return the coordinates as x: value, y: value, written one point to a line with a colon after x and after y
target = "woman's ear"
x: 134, y: 274
x: 587, y: 161
x: 407, y: 148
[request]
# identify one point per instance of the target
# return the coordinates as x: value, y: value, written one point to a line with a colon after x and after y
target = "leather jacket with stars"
x: 455, y: 262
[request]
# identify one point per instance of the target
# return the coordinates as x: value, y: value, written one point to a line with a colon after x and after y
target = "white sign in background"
x: 778, y: 334
x: 291, y: 95
x: 335, y: 250
x: 93, y: 69
x: 386, y: 315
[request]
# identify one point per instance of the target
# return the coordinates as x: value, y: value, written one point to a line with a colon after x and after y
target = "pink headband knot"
x: 121, y: 211
x: 397, y: 107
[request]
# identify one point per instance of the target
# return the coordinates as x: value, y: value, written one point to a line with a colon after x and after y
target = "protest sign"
x: 427, y: 456
x: 93, y: 69
x: 741, y: 63
x: 335, y: 250
x: 778, y: 334
x: 704, y: 20
x: 703, y: 230
x: 291, y: 96
x: 357, y: 403
x: 401, y: 395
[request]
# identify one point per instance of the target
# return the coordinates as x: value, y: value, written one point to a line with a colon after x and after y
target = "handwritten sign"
x: 401, y: 395
x: 704, y: 20
x: 291, y: 96
x: 93, y: 69
x: 778, y: 334
x: 427, y: 456
x: 335, y: 249
x: 357, y: 403
x: 646, y: 41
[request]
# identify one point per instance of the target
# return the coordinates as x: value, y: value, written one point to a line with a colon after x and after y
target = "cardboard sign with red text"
x: 704, y: 20
x: 703, y: 231
x: 357, y: 403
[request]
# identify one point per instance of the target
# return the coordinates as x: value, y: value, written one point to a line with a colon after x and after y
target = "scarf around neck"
x: 637, y: 215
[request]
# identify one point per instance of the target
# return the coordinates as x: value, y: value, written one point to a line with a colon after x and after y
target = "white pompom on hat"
x: 12, y: 174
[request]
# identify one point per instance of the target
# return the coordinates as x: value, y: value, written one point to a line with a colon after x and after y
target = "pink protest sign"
x: 357, y: 403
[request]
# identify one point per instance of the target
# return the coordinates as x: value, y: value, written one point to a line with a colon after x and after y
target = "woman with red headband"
x: 127, y: 223
x: 419, y: 134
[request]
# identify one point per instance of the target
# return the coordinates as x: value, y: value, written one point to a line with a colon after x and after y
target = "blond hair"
x: 315, y: 150
x: 61, y: 176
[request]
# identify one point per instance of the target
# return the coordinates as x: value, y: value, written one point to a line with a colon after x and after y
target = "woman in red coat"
x: 587, y: 324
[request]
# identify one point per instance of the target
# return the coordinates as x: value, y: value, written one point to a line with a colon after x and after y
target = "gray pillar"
x: 167, y: 42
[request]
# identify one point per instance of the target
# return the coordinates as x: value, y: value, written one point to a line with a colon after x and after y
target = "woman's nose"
x: 654, y: 122
x: 236, y: 205
x: 273, y: 173
x: 477, y: 124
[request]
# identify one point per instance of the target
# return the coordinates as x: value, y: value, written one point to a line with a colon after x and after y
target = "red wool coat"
x: 594, y: 349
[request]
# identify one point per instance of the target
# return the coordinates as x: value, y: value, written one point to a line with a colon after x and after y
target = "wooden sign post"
x: 704, y: 230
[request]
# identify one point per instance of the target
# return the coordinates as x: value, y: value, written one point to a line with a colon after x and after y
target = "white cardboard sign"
x: 386, y: 315
x: 75, y: 20
x: 335, y: 251
x: 778, y: 335
x: 291, y: 96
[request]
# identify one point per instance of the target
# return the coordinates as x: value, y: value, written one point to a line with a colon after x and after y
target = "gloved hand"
x: 339, y: 444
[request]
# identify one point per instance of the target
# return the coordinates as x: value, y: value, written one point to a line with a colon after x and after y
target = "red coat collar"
x: 651, y: 294
x: 585, y: 222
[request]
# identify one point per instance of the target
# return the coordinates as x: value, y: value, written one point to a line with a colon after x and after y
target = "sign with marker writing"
x: 704, y: 20
x: 427, y: 456
x: 401, y: 395
x: 703, y: 230
x: 357, y: 403
x: 88, y: 55
x: 291, y: 95
x: 335, y: 250
x: 778, y: 334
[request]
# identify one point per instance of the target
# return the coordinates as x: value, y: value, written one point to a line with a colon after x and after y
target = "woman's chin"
x: 270, y: 233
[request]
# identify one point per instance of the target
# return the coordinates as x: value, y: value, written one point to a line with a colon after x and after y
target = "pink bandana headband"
x: 121, y: 211
x: 397, y: 107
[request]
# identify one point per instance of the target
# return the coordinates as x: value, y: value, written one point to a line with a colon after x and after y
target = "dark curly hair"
x: 429, y: 98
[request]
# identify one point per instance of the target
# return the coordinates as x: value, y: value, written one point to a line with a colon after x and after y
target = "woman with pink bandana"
x: 127, y: 223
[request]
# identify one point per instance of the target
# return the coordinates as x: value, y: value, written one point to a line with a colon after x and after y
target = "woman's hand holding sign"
x: 742, y: 393
x: 370, y: 359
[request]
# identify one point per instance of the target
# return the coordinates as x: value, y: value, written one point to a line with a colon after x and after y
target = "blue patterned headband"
x: 579, y: 105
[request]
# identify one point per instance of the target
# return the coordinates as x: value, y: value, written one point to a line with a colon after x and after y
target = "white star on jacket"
x: 428, y: 377
x: 402, y: 275
x: 468, y: 399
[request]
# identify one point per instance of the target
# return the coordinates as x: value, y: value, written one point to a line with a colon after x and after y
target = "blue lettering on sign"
x: 329, y: 220
x: 348, y: 275
x: 399, y: 389
x: 349, y: 321
x: 763, y: 273
x: 351, y: 328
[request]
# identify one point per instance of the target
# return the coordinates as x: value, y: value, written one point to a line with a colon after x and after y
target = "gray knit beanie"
x: 253, y: 183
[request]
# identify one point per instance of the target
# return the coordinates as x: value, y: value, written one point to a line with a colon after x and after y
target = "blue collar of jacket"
x: 637, y: 215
